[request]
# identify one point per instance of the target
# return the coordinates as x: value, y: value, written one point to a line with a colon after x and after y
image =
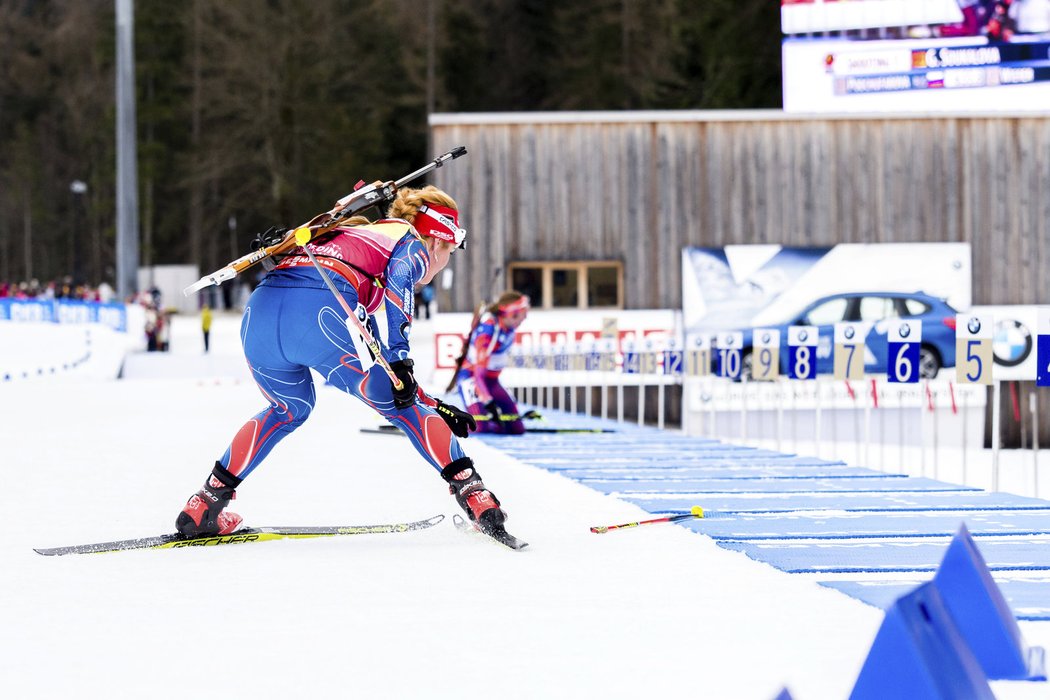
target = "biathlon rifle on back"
x: 277, y: 241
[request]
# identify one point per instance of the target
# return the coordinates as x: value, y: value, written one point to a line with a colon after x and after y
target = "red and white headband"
x: 441, y: 223
x: 510, y: 307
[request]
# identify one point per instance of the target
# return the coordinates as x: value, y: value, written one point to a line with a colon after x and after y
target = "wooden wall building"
x: 639, y: 186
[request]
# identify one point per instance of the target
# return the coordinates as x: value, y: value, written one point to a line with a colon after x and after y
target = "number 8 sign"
x: 902, y: 360
x: 802, y: 351
x: 973, y: 349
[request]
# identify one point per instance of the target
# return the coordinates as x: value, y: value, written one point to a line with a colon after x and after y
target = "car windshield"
x: 827, y: 313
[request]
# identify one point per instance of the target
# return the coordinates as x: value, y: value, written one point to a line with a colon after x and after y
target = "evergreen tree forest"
x: 252, y: 113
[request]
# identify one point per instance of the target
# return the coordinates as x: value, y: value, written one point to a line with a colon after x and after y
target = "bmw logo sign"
x: 729, y: 340
x: 802, y: 335
x: 905, y: 330
x: 1012, y: 343
x: 765, y: 338
x: 849, y: 332
x: 973, y: 325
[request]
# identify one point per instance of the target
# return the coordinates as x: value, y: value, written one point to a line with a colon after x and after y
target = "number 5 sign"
x: 973, y: 349
x: 902, y: 360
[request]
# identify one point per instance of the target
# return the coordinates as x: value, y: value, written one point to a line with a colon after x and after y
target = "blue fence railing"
x: 114, y: 315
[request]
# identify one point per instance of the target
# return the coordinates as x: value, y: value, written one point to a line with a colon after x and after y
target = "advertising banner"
x: 907, y: 56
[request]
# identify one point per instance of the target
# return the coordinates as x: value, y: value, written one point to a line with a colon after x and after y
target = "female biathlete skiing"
x: 485, y: 356
x: 293, y: 322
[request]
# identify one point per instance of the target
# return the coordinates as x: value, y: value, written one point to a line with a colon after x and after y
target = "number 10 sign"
x: 902, y: 360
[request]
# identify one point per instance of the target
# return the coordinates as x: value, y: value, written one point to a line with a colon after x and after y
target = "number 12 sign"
x: 902, y: 360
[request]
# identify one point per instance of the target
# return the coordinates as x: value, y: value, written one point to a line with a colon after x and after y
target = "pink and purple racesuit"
x: 478, y: 378
x: 293, y: 323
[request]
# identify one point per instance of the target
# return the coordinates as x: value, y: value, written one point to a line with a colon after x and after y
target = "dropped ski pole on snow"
x: 696, y: 512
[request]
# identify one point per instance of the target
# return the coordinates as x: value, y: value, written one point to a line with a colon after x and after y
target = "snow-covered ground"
x: 645, y: 612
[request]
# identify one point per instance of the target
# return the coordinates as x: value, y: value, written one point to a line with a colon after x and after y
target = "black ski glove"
x: 531, y: 415
x: 493, y: 409
x: 406, y: 395
x: 459, y: 422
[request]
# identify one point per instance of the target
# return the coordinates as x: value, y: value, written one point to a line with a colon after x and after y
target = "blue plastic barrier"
x: 919, y: 652
x: 982, y: 615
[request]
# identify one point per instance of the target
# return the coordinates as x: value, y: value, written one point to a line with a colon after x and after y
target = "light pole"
x: 79, y: 188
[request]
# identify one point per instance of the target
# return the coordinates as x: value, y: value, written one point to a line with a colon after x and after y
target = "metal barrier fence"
x: 933, y: 428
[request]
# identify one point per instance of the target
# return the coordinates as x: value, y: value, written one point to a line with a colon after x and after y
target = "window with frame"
x: 570, y: 285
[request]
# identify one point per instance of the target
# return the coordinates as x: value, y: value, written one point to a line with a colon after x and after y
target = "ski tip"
x: 697, y: 511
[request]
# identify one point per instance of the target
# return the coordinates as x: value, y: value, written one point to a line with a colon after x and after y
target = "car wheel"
x: 929, y: 362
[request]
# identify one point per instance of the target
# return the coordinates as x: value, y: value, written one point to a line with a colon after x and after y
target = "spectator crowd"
x: 56, y: 289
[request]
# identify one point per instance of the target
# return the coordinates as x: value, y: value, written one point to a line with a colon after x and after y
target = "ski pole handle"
x: 695, y: 512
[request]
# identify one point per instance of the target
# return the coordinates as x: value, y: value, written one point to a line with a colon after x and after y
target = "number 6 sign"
x: 973, y: 349
x: 902, y: 360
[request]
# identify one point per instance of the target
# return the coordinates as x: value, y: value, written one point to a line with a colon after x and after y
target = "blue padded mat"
x: 862, y: 525
x: 847, y: 484
x: 1028, y: 553
x: 890, y: 500
x: 1029, y: 600
x: 671, y: 474
x: 624, y: 462
x: 649, y: 467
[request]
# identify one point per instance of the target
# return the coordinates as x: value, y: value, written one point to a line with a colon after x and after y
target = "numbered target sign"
x: 651, y: 349
x: 698, y: 355
x: 765, y: 357
x: 673, y: 360
x: 727, y: 353
x: 849, y: 350
x: 607, y: 354
x: 973, y: 348
x: 1042, y: 347
x: 902, y: 358
x: 802, y: 351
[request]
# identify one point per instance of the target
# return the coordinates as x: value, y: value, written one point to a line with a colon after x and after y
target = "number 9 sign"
x: 765, y: 358
x: 902, y: 358
x: 973, y: 349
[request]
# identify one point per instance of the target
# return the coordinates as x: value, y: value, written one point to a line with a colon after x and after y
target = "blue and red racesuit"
x: 293, y: 323
x: 478, y: 378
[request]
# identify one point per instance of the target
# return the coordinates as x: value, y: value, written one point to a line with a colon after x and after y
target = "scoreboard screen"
x: 916, y: 55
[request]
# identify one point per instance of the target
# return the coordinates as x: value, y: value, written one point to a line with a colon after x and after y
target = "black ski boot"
x: 204, y: 514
